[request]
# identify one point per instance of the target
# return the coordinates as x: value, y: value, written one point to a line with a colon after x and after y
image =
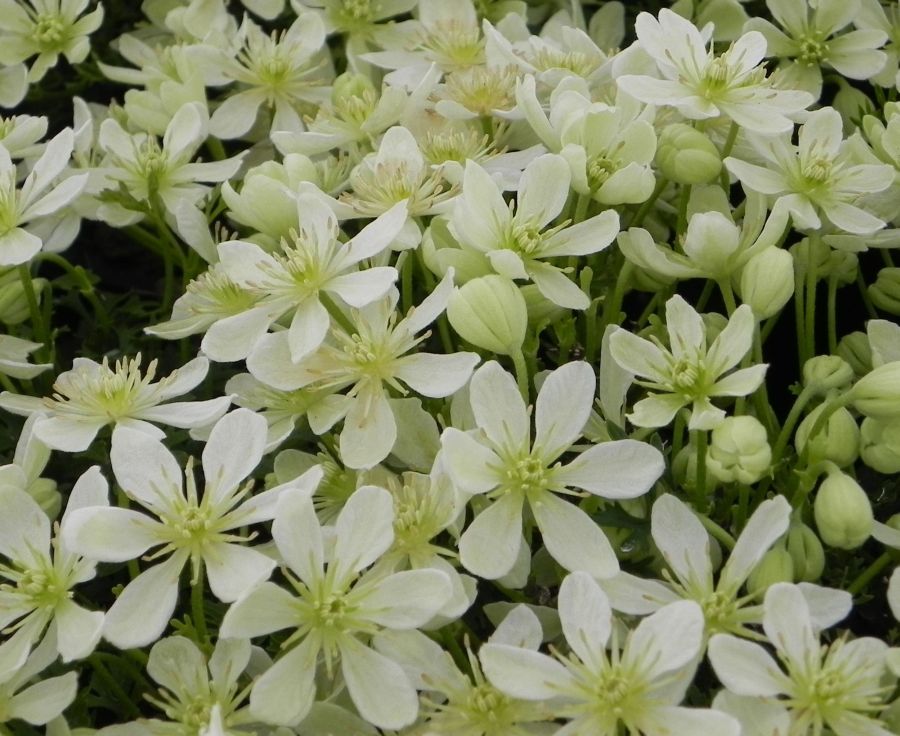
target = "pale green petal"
x: 436, y: 375
x: 489, y: 546
x: 662, y: 721
x: 556, y: 286
x: 471, y: 464
x: 145, y: 469
x: 377, y: 685
x: 233, y: 570
x: 309, y: 326
x: 178, y: 665
x: 285, y: 692
x: 585, y: 616
x: 523, y: 673
x: 112, y: 534
x: 583, y: 238
x: 298, y: 535
x: 656, y: 411
x: 852, y: 219
x: 639, y: 356
x: 481, y: 214
x: 235, y: 446
x: 687, y: 333
x: 572, y: 538
x: 742, y: 382
x: 732, y: 343
x: 520, y: 628
x: 562, y: 408
x: 268, y: 608
x: 893, y: 593
x: 765, y: 526
x: 787, y: 623
x: 745, y: 668
x: 757, y: 178
x: 543, y: 190
x: 233, y: 338
x: 618, y: 469
x: 43, y: 701
x: 370, y: 429
x: 636, y: 596
x: 407, y: 599
x: 821, y: 134
x: 498, y: 407
x: 143, y: 609
x: 682, y: 540
x: 790, y: 14
x: 363, y: 531
x: 665, y: 641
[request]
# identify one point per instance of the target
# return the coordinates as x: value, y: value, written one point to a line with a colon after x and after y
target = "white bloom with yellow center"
x: 92, y: 395
x: 200, y: 529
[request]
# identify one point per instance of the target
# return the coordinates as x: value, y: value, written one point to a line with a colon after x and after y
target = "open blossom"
x: 369, y: 354
x: 701, y: 85
x: 501, y: 461
x: 190, y: 527
x: 39, y: 574
x: 334, y: 607
x: 688, y: 372
x: 93, y: 395
x: 836, y: 687
x: 598, y: 688
x: 818, y: 176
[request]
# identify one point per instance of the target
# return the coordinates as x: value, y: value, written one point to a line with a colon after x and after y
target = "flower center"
x: 453, y: 44
x: 214, y: 293
x: 599, y: 169
x: 526, y: 239
x: 527, y: 474
x: 49, y: 31
x: 817, y: 171
x: 483, y: 89
x: 813, y: 50
x: 356, y: 14
x: 688, y: 377
x: 40, y: 588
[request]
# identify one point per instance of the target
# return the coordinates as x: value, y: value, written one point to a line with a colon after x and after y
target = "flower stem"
x: 197, y: 609
x: 702, y: 443
x: 39, y: 326
x: 518, y: 359
x: 872, y: 571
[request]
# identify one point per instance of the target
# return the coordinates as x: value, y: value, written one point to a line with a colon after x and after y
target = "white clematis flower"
x: 600, y: 691
x: 333, y: 610
x: 190, y: 527
x: 92, y: 395
x: 688, y: 372
x: 501, y: 461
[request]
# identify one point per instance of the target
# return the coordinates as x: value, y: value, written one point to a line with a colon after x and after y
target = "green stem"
x: 683, y: 199
x: 581, y: 208
x: 123, y: 699
x: 788, y: 428
x: 336, y: 314
x: 809, y: 328
x: 864, y: 293
x: 406, y: 282
x: 39, y: 326
x: 198, y: 612
x: 870, y: 573
x: 727, y: 295
x: 705, y: 295
x: 832, y: 314
x: 518, y: 359
x: 702, y: 443
x: 717, y: 532
x: 645, y: 208
x: 613, y: 306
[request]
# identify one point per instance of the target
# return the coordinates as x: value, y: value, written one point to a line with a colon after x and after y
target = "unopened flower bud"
x: 837, y: 440
x: 13, y: 302
x: 687, y: 156
x: 806, y: 551
x: 776, y: 566
x: 880, y: 445
x: 490, y: 313
x: 826, y: 373
x: 856, y: 350
x: 877, y: 394
x: 44, y: 492
x: 684, y: 468
x: 843, y: 512
x: 739, y: 450
x: 767, y: 282
x: 885, y: 292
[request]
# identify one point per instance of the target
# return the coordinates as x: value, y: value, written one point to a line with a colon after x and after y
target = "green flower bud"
x: 837, y: 441
x: 490, y: 312
x: 880, y: 445
x: 687, y: 156
x: 856, y: 350
x: 877, y: 394
x: 13, y: 302
x: 684, y: 468
x: 767, y: 282
x: 806, y: 551
x: 776, y: 566
x: 885, y: 292
x: 843, y: 512
x: 826, y: 373
x: 739, y: 451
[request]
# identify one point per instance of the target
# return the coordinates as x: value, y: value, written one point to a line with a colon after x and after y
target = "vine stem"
x: 41, y: 332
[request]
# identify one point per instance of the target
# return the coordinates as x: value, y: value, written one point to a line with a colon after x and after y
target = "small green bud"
x: 739, y: 450
x: 856, y: 350
x: 767, y: 282
x: 877, y: 394
x: 687, y: 156
x: 837, y: 441
x: 490, y: 312
x: 885, y: 292
x: 843, y: 512
x: 13, y: 302
x: 776, y: 566
x: 806, y: 551
x: 684, y: 468
x: 825, y: 373
x: 880, y: 445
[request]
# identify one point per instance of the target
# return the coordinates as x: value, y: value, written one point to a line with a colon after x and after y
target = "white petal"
x: 266, y: 609
x: 407, y: 599
x: 572, y: 538
x: 235, y: 446
x: 481, y: 213
x: 733, y: 342
x: 618, y: 469
x: 471, y: 465
x: 360, y: 288
x: 370, y: 430
x: 663, y: 720
x: 285, y: 692
x: 182, y: 380
x: 666, y: 640
x: 585, y: 616
x: 143, y: 609
x: 178, y: 665
x: 765, y: 526
x: 557, y: 287
x: 298, y: 535
x: 682, y: 540
x: 787, y: 623
x: 436, y: 375
x: 498, y: 407
x: 68, y: 434
x: 45, y: 700
x: 363, y: 531
x: 309, y: 326
x: 562, y: 408
x: 185, y: 414
x: 233, y: 570
x: 543, y: 190
x: 489, y: 546
x: 377, y: 685
x: 583, y: 238
x: 523, y: 673
x: 377, y: 235
x: 233, y: 338
x: 638, y: 356
x: 112, y: 534
x: 145, y: 469
x: 743, y: 667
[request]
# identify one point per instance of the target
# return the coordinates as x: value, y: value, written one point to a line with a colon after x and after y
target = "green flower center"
x: 813, y: 50
x: 688, y: 378
x: 483, y: 89
x: 49, y: 32
x: 526, y: 239
x: 599, y: 169
x: 40, y: 588
x: 526, y: 474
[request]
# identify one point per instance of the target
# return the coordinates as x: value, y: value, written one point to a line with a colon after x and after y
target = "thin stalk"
x: 39, y: 326
x: 870, y: 573
x: 832, y: 314
x: 701, y: 443
x: 518, y: 359
x: 198, y: 612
